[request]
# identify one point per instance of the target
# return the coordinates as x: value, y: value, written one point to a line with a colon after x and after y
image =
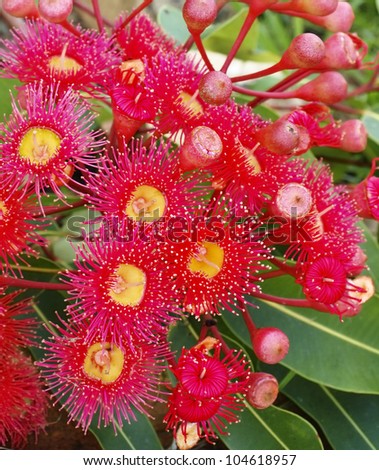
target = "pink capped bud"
x: 202, y: 146
x: 199, y: 14
x: 353, y: 136
x: 341, y: 19
x: 293, y: 200
x: 20, y: 8
x: 306, y: 50
x: 343, y: 51
x: 366, y: 195
x: 270, y: 345
x: 215, y: 88
x: 280, y: 137
x: 263, y: 391
x: 312, y: 7
x: 328, y: 87
x: 55, y: 11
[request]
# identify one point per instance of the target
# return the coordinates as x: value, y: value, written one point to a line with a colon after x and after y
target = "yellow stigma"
x: 128, y: 287
x: 62, y: 63
x: 190, y: 103
x: 252, y: 161
x: 103, y: 362
x: 147, y: 203
x: 39, y: 145
x: 3, y: 210
x: 208, y: 260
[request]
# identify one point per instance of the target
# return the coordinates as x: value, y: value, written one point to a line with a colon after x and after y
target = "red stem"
x: 216, y: 333
x: 266, y: 94
x: 271, y: 274
x: 304, y: 303
x: 249, y: 20
x: 248, y: 322
x: 203, y: 52
x: 134, y: 13
x: 262, y: 73
x: 98, y: 15
x: 25, y: 283
x: 57, y: 210
x: 71, y: 28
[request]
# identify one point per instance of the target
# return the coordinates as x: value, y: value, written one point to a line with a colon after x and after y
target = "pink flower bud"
x: 366, y: 195
x: 55, y: 11
x: 199, y: 14
x: 280, y: 137
x: 20, y: 8
x: 341, y: 19
x: 328, y: 87
x: 312, y: 7
x: 353, y: 136
x: 202, y: 146
x: 306, y: 50
x: 215, y: 88
x: 263, y: 391
x: 343, y: 51
x: 270, y: 345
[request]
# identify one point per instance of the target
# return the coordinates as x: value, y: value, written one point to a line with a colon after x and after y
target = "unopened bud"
x: 202, y: 147
x: 294, y: 200
x: 353, y: 136
x: 305, y: 51
x: 343, y: 51
x: 215, y: 88
x: 312, y: 7
x: 366, y: 195
x: 263, y: 391
x: 328, y: 87
x: 20, y: 8
x: 341, y: 19
x: 270, y: 345
x: 55, y: 11
x: 280, y: 137
x: 199, y: 14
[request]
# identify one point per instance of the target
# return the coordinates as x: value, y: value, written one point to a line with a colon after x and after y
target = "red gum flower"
x: 22, y: 401
x: 215, y: 272
x: 43, y: 146
x: 122, y: 286
x: 17, y: 224
x: 100, y: 377
x: 205, y: 393
x: 173, y: 82
x: 48, y: 52
x: 143, y: 39
x: 17, y: 330
x: 146, y: 184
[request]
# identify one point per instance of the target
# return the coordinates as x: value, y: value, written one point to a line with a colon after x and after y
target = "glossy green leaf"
x: 7, y: 86
x: 348, y: 420
x: 371, y: 121
x: 138, y: 435
x: 222, y: 37
x: 171, y: 21
x: 271, y: 429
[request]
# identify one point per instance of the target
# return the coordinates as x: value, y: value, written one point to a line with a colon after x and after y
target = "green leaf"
x: 342, y: 355
x: 345, y: 418
x: 271, y: 429
x: 138, y: 435
x: 222, y: 38
x: 7, y: 85
x: 371, y: 121
x: 171, y: 20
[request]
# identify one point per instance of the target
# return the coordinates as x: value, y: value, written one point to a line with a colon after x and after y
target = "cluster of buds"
x: 197, y: 198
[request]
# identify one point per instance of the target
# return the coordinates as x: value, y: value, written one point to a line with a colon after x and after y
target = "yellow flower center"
x: 191, y: 103
x: 147, y: 203
x: 39, y: 145
x: 62, y: 63
x: 3, y: 210
x: 208, y: 260
x: 252, y: 162
x: 128, y: 287
x: 103, y: 362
